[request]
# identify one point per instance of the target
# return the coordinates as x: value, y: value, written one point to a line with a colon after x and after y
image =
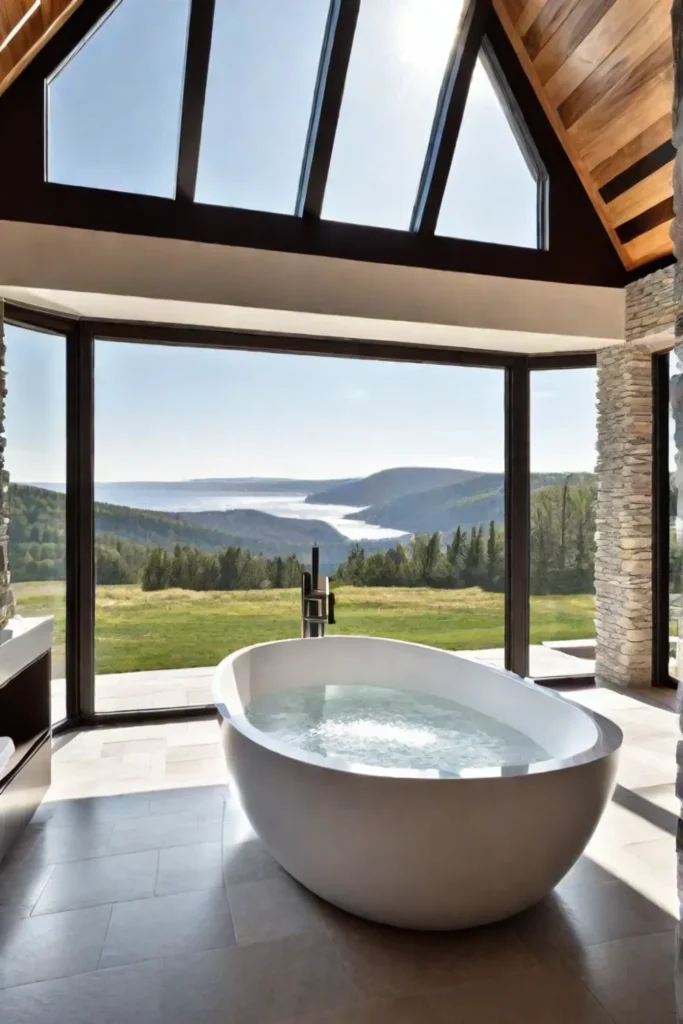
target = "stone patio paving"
x: 191, y: 687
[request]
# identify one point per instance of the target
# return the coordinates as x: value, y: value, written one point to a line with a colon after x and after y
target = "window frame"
x: 80, y: 572
x: 525, y: 140
x: 579, y: 250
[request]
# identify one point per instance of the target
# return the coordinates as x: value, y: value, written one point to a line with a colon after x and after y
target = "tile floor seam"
x: 42, y: 890
x: 104, y: 940
x: 159, y: 959
x: 48, y: 981
x: 156, y: 874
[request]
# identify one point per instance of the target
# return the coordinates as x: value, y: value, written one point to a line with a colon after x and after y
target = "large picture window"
x: 562, y: 543
x: 35, y: 460
x: 211, y: 490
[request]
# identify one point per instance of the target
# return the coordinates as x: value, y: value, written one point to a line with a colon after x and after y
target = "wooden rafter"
x: 25, y: 27
x: 603, y: 71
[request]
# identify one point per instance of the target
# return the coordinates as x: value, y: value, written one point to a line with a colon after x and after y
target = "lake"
x: 290, y: 506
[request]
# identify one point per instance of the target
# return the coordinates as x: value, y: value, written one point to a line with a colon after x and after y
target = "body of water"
x: 390, y: 728
x: 290, y: 506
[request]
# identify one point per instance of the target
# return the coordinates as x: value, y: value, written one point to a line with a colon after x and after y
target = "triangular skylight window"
x: 492, y: 194
x: 398, y: 61
x: 262, y: 75
x: 114, y: 106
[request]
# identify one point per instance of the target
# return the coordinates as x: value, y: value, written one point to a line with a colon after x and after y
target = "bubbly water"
x: 390, y: 728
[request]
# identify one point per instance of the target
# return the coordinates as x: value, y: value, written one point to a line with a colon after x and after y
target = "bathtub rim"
x: 231, y: 709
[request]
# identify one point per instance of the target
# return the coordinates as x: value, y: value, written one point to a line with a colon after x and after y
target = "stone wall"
x: 651, y: 305
x: 623, y: 561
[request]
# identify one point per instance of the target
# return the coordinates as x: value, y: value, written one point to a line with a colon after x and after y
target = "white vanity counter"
x: 22, y: 641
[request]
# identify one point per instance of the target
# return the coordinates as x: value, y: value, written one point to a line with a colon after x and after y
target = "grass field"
x: 183, y: 628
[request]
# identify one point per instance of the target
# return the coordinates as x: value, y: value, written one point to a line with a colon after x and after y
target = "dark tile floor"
x: 161, y: 905
x: 206, y: 927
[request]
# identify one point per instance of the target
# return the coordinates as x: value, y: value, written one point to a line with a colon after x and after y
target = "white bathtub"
x: 417, y: 849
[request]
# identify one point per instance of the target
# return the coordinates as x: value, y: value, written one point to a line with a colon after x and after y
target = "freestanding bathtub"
x: 417, y: 848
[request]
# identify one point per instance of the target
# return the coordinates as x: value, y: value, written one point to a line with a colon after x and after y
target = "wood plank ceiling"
x: 603, y: 70
x: 25, y: 26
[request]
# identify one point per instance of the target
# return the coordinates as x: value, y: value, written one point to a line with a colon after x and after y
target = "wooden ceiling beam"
x: 580, y: 20
x: 642, y: 56
x: 637, y: 149
x: 607, y: 37
x: 580, y: 167
x: 648, y: 192
x: 34, y: 34
x: 602, y: 70
x: 650, y: 246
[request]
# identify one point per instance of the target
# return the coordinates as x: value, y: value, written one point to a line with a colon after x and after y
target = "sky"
x: 163, y: 414
x: 168, y: 413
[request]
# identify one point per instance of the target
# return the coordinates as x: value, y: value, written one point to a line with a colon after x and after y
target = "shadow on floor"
x: 165, y: 907
x: 667, y: 821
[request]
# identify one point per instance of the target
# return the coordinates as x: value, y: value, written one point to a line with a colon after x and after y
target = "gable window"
x: 497, y: 184
x: 262, y: 74
x: 113, y: 107
x: 399, y: 58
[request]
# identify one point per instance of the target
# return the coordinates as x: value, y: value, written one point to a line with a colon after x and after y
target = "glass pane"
x: 114, y: 107
x: 563, y: 454
x: 491, y: 194
x: 262, y: 74
x: 36, y: 462
x: 397, y: 66
x: 207, y: 524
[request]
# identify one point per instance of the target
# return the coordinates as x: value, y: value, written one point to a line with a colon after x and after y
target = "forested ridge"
x: 161, y: 550
x: 562, y: 556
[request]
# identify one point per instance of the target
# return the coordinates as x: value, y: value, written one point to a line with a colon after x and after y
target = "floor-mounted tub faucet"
x: 317, y: 604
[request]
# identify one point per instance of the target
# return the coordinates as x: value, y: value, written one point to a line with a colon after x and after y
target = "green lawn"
x: 183, y: 628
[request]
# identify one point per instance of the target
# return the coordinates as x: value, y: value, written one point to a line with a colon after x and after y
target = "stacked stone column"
x: 623, y: 561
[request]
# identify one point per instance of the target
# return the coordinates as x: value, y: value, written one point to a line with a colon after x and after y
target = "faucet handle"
x: 330, y: 608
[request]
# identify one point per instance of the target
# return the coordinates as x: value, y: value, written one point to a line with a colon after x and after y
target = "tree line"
x: 562, y: 549
x: 470, y: 559
x: 234, y: 568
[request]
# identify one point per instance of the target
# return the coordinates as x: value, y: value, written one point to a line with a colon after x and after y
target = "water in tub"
x: 390, y: 728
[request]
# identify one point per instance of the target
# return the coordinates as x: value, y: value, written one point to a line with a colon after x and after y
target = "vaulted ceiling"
x: 25, y: 26
x: 603, y: 71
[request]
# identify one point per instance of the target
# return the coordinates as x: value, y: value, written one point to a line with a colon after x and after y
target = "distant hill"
x: 126, y: 493
x: 389, y: 485
x: 37, y: 534
x: 269, y: 528
x: 476, y: 499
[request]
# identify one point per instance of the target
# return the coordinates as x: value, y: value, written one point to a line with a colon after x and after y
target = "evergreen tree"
x: 492, y: 557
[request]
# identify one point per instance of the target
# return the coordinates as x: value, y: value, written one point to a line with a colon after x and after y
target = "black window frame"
x: 661, y: 525
x: 80, y: 484
x: 574, y: 247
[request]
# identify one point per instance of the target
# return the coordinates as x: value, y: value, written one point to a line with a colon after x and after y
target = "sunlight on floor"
x: 106, y: 762
x: 635, y: 846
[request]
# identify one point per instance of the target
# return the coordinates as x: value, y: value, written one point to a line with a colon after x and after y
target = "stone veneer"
x: 651, y: 305
x: 6, y: 596
x: 623, y: 559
